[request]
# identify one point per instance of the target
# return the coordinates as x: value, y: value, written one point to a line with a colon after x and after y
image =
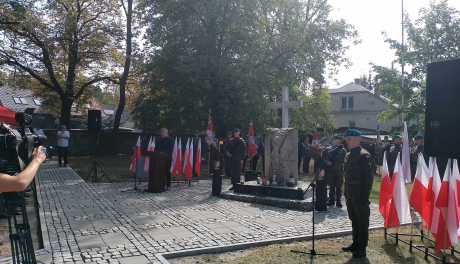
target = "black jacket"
x: 165, y: 145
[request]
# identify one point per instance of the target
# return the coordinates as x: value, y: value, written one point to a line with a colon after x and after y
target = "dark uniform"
x: 237, y: 148
x: 358, y: 184
x: 336, y: 156
x: 359, y: 178
x: 227, y: 159
x: 392, y: 155
x: 414, y: 158
x: 166, y: 145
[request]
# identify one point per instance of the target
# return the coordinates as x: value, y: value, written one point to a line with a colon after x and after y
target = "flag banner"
x: 419, y: 190
x: 385, y: 191
x: 399, y: 209
x: 252, y: 147
x: 198, y: 159
x: 177, y: 170
x: 174, y: 157
x: 432, y: 195
x: 136, y: 154
x: 406, y: 155
x: 209, y: 131
x: 314, y: 143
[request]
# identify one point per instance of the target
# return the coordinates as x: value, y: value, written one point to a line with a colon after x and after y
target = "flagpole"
x: 426, y: 245
x: 411, y: 230
x: 402, y: 63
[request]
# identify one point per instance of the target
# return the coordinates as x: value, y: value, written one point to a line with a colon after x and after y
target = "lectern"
x: 158, y: 169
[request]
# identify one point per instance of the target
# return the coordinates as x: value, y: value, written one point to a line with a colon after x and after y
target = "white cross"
x: 285, y: 104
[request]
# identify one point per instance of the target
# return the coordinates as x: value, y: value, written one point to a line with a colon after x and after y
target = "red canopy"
x: 7, y: 116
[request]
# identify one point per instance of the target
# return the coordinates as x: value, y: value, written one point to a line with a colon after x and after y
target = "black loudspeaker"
x: 94, y: 121
x: 442, y: 113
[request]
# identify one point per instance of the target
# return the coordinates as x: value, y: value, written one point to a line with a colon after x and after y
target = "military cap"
x: 352, y: 133
x: 419, y: 137
x: 397, y: 136
x: 236, y: 130
x: 336, y: 137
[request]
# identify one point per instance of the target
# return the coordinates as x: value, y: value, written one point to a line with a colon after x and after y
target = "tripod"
x: 22, y: 249
x: 95, y: 177
x: 312, y: 252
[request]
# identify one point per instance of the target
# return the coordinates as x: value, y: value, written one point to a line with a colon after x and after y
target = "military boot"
x: 331, y: 202
x: 359, y: 252
x: 339, y: 203
x: 350, y: 248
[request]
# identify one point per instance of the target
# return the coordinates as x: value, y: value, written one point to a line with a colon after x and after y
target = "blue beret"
x: 397, y: 136
x: 419, y: 137
x: 352, y: 133
x: 336, y: 137
x: 236, y: 130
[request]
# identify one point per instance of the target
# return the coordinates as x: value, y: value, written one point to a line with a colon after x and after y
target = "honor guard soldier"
x: 414, y: 155
x: 335, y: 155
x: 392, y: 153
x: 236, y: 151
x: 358, y: 170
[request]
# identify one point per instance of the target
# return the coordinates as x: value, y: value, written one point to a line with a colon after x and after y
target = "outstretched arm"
x: 20, y: 182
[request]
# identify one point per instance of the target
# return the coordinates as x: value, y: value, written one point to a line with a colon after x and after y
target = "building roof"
x: 349, y: 88
x: 124, y: 117
x: 18, y: 100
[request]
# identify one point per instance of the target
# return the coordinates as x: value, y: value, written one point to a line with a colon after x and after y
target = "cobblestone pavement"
x: 112, y: 223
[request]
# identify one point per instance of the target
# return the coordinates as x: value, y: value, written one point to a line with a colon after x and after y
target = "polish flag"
x: 419, y: 190
x: 136, y: 154
x: 385, y: 191
x: 399, y: 209
x: 448, y: 222
x: 188, y: 166
x: 252, y: 147
x: 174, y: 157
x: 314, y: 143
x: 432, y: 195
x: 456, y: 186
x: 177, y: 170
x: 405, y: 153
x: 209, y: 129
x: 198, y: 159
x: 187, y: 150
x: 150, y: 147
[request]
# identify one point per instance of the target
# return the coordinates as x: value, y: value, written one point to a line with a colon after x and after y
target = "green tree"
x: 432, y: 37
x: 60, y: 49
x: 231, y: 57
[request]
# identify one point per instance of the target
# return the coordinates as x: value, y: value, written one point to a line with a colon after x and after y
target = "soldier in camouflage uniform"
x: 236, y: 151
x: 414, y: 155
x: 358, y: 170
x: 392, y: 153
x: 335, y: 155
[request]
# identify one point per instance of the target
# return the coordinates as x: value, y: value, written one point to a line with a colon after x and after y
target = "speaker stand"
x: 93, y: 171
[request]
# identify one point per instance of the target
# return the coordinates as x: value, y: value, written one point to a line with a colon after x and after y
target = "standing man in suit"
x: 166, y: 145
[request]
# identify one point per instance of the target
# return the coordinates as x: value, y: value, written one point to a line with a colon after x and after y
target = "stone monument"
x: 281, y: 148
x: 281, y: 144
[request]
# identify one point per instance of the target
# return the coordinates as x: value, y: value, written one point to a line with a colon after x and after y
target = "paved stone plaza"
x: 112, y: 223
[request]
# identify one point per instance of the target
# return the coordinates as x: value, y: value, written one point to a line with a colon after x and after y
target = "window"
x: 23, y: 100
x: 37, y: 102
x: 347, y: 102
x: 352, y: 124
x: 16, y: 100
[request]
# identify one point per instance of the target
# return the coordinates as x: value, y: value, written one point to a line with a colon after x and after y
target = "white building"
x: 354, y: 106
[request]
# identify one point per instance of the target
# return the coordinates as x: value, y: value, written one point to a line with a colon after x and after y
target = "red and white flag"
x: 136, y: 154
x: 406, y: 155
x: 187, y: 150
x: 177, y: 169
x: 209, y: 129
x: 188, y: 166
x: 151, y: 146
x: 432, y: 195
x: 174, y: 157
x: 198, y: 159
x: 456, y: 186
x: 252, y: 147
x: 385, y: 191
x: 399, y: 208
x: 446, y: 236
x: 314, y: 143
x: 419, y: 190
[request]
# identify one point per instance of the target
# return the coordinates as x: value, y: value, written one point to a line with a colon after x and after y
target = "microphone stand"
x: 313, y: 252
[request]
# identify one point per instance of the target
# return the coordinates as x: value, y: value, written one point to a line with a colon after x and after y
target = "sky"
x: 370, y: 18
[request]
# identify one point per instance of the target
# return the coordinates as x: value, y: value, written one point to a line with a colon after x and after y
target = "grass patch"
x: 380, y: 250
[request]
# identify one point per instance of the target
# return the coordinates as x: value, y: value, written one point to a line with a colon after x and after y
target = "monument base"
x: 304, y: 204
x: 293, y: 193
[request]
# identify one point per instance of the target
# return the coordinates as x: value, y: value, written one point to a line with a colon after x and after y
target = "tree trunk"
x: 124, y: 77
x: 66, y: 109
